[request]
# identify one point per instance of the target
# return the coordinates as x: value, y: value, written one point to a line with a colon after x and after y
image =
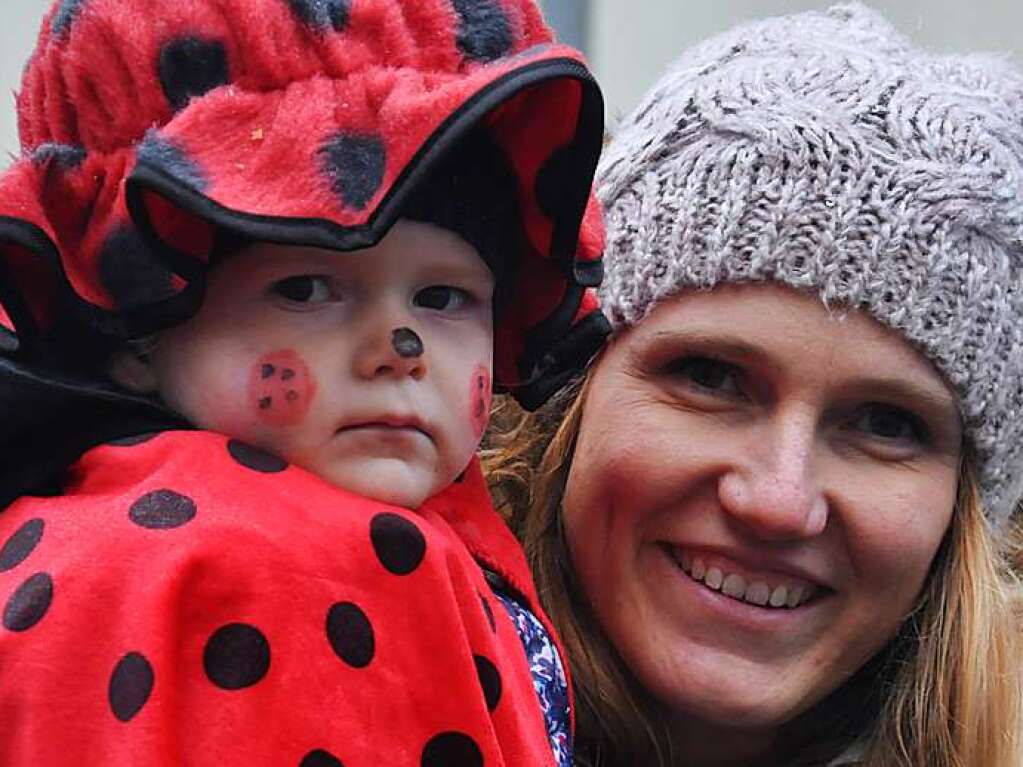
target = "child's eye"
x: 304, y: 289
x: 442, y: 298
x: 889, y: 423
x: 707, y: 373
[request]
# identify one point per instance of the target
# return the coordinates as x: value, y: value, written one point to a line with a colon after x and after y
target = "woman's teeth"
x: 757, y: 592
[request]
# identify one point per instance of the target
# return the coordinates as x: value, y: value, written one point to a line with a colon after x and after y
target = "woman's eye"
x: 304, y: 289
x: 708, y: 373
x: 889, y: 423
x: 442, y: 298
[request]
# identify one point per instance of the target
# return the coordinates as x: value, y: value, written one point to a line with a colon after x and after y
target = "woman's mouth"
x: 762, y: 590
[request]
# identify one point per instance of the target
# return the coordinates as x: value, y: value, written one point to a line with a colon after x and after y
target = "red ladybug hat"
x: 148, y: 126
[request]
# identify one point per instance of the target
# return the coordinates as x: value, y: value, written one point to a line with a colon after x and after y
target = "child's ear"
x: 133, y: 370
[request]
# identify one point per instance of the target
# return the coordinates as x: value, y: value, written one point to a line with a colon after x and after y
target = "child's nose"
x: 392, y: 352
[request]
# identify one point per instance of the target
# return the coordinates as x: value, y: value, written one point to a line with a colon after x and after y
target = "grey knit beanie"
x: 823, y: 151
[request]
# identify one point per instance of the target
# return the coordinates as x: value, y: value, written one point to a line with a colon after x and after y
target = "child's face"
x: 370, y: 368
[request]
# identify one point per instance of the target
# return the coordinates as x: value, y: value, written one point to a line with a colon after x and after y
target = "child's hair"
x: 472, y: 193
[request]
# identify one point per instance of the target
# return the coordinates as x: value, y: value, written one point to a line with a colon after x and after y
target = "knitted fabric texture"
x: 822, y: 151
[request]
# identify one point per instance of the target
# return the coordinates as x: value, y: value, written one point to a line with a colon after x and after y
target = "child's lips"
x: 390, y: 423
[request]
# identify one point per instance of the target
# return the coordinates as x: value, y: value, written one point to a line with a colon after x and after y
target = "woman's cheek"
x: 281, y: 388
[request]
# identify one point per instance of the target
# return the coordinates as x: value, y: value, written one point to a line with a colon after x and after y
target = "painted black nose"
x: 407, y: 343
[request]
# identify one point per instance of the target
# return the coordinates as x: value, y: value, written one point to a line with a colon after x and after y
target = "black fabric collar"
x: 49, y: 418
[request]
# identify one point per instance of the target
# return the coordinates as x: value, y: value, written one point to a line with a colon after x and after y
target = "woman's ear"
x: 132, y: 369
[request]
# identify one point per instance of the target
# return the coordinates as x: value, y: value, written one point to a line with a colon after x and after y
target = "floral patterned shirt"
x: 548, y: 677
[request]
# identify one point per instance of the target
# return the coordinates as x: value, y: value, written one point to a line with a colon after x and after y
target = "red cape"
x: 194, y: 601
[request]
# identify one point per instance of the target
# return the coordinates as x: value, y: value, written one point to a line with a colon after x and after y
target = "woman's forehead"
x: 779, y: 327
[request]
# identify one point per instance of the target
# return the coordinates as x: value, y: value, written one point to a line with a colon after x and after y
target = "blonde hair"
x: 944, y: 693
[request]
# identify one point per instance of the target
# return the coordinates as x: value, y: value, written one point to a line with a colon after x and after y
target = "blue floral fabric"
x: 548, y: 677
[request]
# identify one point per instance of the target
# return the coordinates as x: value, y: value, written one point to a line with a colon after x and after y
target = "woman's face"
x: 757, y: 493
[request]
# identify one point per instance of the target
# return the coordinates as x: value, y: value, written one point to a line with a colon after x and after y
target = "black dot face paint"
x: 407, y: 343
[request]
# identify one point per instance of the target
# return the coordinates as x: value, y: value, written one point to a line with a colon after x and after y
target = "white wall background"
x: 629, y: 42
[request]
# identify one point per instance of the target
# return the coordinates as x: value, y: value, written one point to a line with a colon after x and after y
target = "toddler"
x: 264, y: 262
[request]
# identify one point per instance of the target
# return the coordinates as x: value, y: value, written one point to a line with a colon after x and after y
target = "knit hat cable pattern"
x: 822, y: 151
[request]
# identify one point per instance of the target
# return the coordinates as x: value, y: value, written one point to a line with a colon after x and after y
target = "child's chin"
x: 386, y: 480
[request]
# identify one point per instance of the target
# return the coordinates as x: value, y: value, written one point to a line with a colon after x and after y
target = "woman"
x: 772, y: 521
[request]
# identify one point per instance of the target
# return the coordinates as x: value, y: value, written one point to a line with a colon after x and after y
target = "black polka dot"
x: 21, y: 544
x: 407, y: 343
x: 29, y: 603
x: 350, y: 634
x: 133, y: 439
x: 130, y: 686
x: 63, y: 156
x: 490, y: 681
x: 452, y: 749
x: 254, y: 458
x: 190, y: 67
x: 320, y: 758
x: 354, y: 165
x: 160, y: 152
x: 398, y: 543
x: 322, y: 15
x: 558, y: 174
x: 131, y: 272
x: 236, y: 656
x: 67, y: 13
x: 489, y: 612
x: 162, y: 510
x: 484, y: 31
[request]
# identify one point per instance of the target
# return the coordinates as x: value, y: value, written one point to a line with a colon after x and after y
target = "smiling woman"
x: 772, y: 520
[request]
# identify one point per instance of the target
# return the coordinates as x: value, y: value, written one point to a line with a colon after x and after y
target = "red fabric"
x: 155, y: 548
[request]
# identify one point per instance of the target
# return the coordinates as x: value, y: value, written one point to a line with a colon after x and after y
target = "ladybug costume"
x: 174, y: 597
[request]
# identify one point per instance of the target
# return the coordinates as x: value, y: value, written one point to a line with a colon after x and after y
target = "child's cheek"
x: 281, y: 388
x: 479, y: 401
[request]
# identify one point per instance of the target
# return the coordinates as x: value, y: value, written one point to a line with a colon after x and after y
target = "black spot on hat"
x: 236, y: 656
x: 160, y: 152
x: 350, y: 634
x: 133, y: 439
x: 29, y: 603
x: 255, y: 458
x: 130, y: 686
x: 354, y: 164
x: 322, y: 15
x: 399, y: 544
x: 490, y: 681
x: 320, y: 758
x: 489, y: 612
x: 558, y: 174
x: 21, y: 544
x: 63, y: 156
x: 484, y: 30
x: 162, y: 510
x: 452, y: 749
x: 131, y: 272
x: 189, y: 67
x: 67, y: 13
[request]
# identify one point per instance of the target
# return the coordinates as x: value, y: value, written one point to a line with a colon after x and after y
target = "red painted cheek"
x: 480, y: 399
x: 281, y: 388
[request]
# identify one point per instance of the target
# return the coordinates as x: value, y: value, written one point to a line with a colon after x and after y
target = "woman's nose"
x: 389, y: 351
x: 772, y: 486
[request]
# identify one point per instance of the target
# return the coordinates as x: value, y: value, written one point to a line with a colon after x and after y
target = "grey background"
x: 629, y: 42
